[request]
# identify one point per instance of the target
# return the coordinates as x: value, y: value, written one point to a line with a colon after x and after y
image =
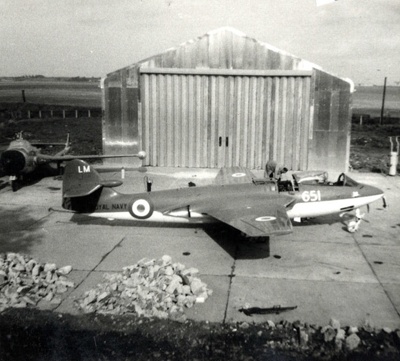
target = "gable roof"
x: 227, y: 48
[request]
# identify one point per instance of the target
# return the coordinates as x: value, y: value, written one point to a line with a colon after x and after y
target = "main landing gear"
x: 354, y: 223
x: 15, y: 183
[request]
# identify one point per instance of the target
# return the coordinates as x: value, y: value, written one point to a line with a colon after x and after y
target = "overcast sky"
x: 356, y: 39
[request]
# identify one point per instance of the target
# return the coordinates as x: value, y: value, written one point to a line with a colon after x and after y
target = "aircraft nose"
x: 12, y: 162
x: 371, y: 191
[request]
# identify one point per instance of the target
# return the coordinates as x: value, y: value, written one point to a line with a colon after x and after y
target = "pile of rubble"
x: 24, y: 281
x: 150, y: 288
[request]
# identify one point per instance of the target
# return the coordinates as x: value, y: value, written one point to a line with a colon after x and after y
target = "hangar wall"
x: 225, y: 99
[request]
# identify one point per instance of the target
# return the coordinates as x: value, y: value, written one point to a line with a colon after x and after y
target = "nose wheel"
x: 353, y: 224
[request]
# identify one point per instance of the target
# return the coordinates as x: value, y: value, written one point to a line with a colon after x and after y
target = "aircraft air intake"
x: 13, y: 162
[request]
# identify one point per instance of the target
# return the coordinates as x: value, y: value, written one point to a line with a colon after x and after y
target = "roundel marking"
x: 265, y: 219
x: 238, y: 175
x: 140, y: 208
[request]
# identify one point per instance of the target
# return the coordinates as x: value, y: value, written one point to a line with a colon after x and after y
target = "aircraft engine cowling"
x: 15, y: 162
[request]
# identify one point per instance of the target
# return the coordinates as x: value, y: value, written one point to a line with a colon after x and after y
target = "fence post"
x: 88, y: 113
x: 64, y: 114
x: 40, y: 114
x: 29, y: 114
x: 51, y: 113
x: 76, y: 114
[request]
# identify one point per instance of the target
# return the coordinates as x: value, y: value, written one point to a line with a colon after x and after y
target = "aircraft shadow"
x: 35, y: 177
x: 229, y: 239
x: 237, y: 245
x: 20, y: 230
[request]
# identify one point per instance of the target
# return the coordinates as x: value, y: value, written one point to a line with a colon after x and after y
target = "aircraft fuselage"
x: 188, y: 204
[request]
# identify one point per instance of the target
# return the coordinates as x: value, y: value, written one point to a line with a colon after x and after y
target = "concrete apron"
x: 320, y: 268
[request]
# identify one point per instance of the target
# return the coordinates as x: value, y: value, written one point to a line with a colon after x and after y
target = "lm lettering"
x: 84, y: 169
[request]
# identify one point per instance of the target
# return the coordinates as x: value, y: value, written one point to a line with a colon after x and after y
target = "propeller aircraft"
x: 256, y: 207
x: 22, y: 158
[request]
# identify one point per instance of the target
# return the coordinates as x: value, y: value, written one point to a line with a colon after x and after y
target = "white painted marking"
x: 315, y: 209
x: 265, y: 219
x: 86, y: 169
x: 312, y: 196
x: 141, y: 208
x: 238, y: 175
x: 155, y: 217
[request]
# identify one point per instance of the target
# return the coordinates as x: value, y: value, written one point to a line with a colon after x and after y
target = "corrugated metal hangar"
x: 225, y: 99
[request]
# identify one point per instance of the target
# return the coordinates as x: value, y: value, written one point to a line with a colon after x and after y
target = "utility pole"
x: 383, y: 100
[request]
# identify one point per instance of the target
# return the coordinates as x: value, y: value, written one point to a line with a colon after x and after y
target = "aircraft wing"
x: 234, y: 175
x: 61, y: 158
x: 44, y: 145
x: 258, y: 221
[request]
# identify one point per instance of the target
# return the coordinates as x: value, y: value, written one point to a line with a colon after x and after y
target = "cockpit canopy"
x: 310, y: 176
x: 344, y: 180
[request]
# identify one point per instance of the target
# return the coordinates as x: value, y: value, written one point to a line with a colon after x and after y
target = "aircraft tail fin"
x: 67, y: 147
x: 82, y: 187
x: 66, y: 150
x: 67, y: 143
x: 80, y: 179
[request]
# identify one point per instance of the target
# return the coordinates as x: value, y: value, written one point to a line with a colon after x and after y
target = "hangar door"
x: 222, y: 118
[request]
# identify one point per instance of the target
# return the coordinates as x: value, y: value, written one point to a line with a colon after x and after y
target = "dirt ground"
x: 85, y: 133
x: 42, y: 335
x: 370, y: 147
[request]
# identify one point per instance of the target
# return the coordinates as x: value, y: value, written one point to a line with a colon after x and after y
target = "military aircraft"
x: 22, y: 158
x: 256, y: 207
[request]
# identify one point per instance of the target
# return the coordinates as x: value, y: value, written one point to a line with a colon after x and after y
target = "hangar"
x: 225, y: 99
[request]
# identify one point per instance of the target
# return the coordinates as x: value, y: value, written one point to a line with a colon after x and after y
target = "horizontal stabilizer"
x: 234, y: 175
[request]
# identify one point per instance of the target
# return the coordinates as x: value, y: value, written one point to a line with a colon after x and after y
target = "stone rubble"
x: 352, y: 342
x: 150, y: 288
x: 334, y: 338
x: 24, y: 281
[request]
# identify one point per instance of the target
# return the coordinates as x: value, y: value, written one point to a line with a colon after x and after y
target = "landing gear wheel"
x: 14, y: 185
x: 353, y: 225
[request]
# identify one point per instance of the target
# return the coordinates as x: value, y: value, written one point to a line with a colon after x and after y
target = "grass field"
x: 368, y: 100
x: 51, y: 92
x: 79, y: 93
x: 85, y: 133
